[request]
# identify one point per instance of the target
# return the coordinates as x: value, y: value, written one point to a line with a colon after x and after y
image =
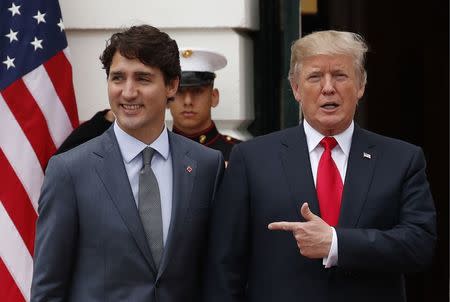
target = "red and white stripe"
x: 37, y: 113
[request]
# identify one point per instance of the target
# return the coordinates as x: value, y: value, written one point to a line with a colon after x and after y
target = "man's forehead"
x: 135, y: 68
x: 134, y: 71
x: 120, y: 60
x: 327, y: 62
x: 338, y: 59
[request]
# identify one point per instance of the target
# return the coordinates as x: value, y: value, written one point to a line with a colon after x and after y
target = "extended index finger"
x: 282, y: 226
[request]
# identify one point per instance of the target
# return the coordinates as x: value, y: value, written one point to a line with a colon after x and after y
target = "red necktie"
x: 329, y: 184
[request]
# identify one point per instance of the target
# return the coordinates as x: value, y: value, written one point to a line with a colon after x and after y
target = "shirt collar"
x: 313, y: 137
x: 130, y: 147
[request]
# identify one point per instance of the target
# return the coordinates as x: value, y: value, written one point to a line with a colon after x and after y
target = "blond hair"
x: 330, y: 42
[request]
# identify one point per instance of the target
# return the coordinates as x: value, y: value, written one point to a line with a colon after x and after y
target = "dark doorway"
x: 275, y: 107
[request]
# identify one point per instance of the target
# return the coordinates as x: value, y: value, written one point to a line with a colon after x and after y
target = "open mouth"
x: 131, y: 109
x: 330, y: 106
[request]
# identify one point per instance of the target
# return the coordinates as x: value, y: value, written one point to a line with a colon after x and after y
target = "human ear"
x: 172, y: 87
x: 215, y: 97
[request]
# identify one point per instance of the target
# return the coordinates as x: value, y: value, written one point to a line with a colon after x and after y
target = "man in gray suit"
x: 124, y: 216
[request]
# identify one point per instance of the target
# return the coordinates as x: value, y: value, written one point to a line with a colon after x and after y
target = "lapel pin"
x: 189, y: 169
x: 367, y: 155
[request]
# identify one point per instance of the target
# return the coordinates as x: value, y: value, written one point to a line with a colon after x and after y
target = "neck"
x: 147, y: 136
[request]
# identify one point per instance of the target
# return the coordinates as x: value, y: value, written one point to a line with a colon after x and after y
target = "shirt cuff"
x: 332, y: 258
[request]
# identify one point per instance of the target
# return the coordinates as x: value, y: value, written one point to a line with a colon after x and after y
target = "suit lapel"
x: 297, y: 167
x: 111, y: 170
x: 184, y: 170
x: 360, y: 169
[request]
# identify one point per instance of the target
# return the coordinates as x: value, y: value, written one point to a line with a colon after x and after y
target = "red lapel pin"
x: 189, y: 169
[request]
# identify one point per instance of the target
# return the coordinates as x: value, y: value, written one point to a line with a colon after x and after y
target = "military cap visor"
x: 196, y: 78
x: 198, y: 66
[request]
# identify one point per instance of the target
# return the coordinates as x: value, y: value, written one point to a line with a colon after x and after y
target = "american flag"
x: 37, y: 112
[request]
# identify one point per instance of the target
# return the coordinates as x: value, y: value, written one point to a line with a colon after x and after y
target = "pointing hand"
x: 313, y: 236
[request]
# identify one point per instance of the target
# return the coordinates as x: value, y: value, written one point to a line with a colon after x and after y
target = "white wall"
x: 213, y: 24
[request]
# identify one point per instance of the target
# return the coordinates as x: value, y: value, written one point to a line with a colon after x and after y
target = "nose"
x: 328, y: 85
x: 129, y: 90
x: 187, y: 98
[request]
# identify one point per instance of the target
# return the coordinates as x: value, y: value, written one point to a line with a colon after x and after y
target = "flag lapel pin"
x: 367, y: 155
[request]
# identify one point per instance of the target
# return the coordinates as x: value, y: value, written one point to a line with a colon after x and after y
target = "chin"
x: 189, y: 124
x: 130, y: 123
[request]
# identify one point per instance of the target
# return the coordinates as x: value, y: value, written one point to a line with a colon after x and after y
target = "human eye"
x: 313, y: 77
x: 116, y: 77
x: 198, y: 90
x: 144, y: 79
x: 340, y: 76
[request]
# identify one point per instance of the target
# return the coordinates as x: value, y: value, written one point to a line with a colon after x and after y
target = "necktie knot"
x: 147, y: 155
x: 328, y: 142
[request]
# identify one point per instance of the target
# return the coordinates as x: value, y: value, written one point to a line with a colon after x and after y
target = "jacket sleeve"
x: 226, y: 272
x: 219, y: 173
x: 408, y: 245
x: 56, y: 235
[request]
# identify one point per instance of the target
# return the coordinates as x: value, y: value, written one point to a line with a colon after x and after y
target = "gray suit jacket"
x: 90, y: 243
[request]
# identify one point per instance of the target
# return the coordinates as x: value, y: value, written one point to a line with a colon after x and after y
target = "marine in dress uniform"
x: 191, y: 108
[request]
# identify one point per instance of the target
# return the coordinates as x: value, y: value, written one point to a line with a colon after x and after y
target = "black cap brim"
x: 196, y: 78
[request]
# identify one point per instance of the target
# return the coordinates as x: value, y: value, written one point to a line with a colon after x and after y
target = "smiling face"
x: 328, y: 90
x: 191, y: 109
x: 138, y: 96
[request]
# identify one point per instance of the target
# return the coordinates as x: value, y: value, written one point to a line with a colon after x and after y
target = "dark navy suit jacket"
x: 386, y: 226
x: 90, y: 243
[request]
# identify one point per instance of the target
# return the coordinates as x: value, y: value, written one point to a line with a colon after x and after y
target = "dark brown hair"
x: 149, y: 45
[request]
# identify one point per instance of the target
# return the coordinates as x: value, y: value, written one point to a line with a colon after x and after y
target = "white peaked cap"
x: 201, y: 60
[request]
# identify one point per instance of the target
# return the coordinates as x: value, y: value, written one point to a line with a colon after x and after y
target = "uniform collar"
x: 203, y: 137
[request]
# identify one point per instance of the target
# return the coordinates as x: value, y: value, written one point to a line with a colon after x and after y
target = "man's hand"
x: 313, y: 236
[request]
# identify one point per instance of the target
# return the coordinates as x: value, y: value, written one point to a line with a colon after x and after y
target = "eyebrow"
x: 144, y: 73
x: 312, y: 72
x: 137, y: 73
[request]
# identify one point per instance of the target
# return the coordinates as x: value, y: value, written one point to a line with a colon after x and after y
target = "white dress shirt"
x: 340, y: 156
x: 131, y: 149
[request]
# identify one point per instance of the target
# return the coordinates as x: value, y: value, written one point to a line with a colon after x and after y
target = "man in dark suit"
x: 124, y: 217
x: 325, y: 211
